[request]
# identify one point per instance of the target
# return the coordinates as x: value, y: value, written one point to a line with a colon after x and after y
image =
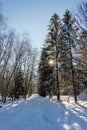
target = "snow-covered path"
x: 37, y: 113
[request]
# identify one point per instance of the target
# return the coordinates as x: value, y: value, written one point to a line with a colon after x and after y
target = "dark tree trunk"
x: 72, y: 70
x: 57, y: 76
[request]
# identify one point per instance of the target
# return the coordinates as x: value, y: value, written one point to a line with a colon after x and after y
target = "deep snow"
x: 37, y: 113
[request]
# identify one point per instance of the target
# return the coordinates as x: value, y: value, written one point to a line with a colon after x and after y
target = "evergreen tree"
x: 50, y: 52
x: 82, y: 72
x: 64, y: 63
x: 46, y: 78
x: 70, y: 30
x: 18, y: 79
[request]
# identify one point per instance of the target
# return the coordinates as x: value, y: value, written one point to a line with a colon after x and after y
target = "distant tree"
x: 33, y: 71
x: 18, y: 79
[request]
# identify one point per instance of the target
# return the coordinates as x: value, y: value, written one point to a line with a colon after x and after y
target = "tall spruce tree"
x: 70, y: 31
x: 64, y: 63
x: 51, y: 46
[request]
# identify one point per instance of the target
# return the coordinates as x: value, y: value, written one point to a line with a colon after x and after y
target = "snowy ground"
x: 37, y: 113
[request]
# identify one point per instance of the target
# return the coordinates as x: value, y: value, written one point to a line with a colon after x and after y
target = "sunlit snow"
x: 37, y: 113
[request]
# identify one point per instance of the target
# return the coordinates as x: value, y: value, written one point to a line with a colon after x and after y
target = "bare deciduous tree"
x: 82, y: 15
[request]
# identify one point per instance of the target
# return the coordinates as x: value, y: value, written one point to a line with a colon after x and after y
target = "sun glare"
x: 51, y: 62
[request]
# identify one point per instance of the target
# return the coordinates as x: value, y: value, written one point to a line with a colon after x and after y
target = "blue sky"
x: 32, y: 16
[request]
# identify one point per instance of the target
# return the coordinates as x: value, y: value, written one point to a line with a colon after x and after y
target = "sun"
x: 51, y: 62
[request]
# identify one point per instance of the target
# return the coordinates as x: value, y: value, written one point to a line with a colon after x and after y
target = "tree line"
x: 63, y: 62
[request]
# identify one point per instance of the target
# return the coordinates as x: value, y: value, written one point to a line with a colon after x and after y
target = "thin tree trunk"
x: 72, y: 71
x: 57, y: 75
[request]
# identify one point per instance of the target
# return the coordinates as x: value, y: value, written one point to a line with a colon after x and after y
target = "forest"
x: 59, y: 69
